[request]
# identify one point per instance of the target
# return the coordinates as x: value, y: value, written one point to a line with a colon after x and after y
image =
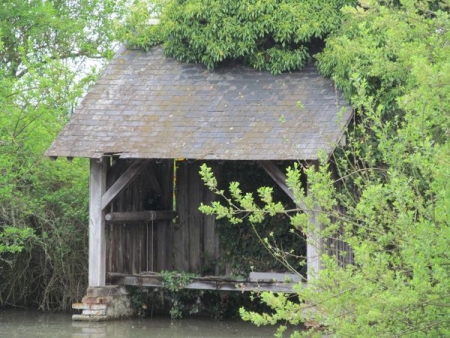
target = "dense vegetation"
x: 390, y: 58
x: 273, y: 35
x: 43, y: 204
x: 243, y: 246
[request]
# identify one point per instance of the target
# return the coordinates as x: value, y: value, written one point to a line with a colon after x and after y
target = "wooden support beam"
x: 139, y: 216
x: 97, y: 242
x: 280, y: 179
x: 314, y: 244
x: 314, y: 241
x: 269, y: 277
x: 123, y: 181
x: 206, y: 283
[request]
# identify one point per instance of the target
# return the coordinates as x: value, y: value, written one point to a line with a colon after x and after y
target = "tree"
x: 44, y: 46
x: 393, y: 62
x: 274, y: 35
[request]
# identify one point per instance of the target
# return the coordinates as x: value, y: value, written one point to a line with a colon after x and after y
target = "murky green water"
x: 33, y: 324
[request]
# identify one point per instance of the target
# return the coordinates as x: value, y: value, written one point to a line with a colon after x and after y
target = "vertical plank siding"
x: 180, y: 242
x: 195, y: 219
x: 164, y: 229
x: 211, y: 242
x: 131, y: 247
x: 189, y: 244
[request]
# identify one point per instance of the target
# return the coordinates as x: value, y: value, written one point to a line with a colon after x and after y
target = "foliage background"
x: 392, y: 61
x: 243, y: 246
x: 272, y: 35
x: 44, y: 46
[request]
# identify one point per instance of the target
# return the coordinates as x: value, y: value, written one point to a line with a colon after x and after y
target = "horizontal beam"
x: 275, y: 277
x: 139, y: 216
x: 204, y: 283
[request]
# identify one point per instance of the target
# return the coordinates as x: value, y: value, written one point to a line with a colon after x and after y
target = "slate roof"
x: 148, y: 106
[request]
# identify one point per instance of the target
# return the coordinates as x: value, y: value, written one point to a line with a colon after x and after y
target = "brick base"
x: 104, y: 303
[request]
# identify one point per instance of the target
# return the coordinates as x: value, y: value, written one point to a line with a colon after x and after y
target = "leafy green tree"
x: 393, y: 62
x: 272, y: 35
x: 44, y: 46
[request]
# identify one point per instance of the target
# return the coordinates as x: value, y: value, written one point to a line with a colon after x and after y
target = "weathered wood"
x: 139, y: 216
x: 210, y: 246
x: 274, y: 277
x: 116, y: 233
x: 120, y: 204
x: 181, y: 230
x: 164, y: 229
x: 314, y: 245
x: 141, y: 245
x: 141, y: 249
x: 314, y: 241
x: 149, y: 184
x: 136, y: 244
x: 195, y: 219
x: 205, y: 283
x: 97, y: 241
x: 151, y: 179
x: 123, y: 181
x: 280, y: 179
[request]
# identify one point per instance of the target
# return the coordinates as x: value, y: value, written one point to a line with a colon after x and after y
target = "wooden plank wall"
x: 135, y: 247
x: 189, y: 244
x: 181, y: 229
x: 195, y: 241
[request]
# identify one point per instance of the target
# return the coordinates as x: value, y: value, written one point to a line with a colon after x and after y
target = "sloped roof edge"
x: 146, y: 105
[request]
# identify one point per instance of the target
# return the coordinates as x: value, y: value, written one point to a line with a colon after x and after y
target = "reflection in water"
x: 33, y: 324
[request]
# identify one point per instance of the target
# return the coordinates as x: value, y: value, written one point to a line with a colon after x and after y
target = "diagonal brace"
x: 123, y: 181
x: 280, y: 179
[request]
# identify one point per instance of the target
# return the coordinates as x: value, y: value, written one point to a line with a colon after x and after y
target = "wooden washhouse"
x: 148, y: 124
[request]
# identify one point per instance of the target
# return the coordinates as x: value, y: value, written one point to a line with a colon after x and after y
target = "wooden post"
x: 314, y: 242
x: 314, y: 245
x: 97, y: 242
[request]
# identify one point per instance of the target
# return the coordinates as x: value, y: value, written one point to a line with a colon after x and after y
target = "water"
x: 34, y: 324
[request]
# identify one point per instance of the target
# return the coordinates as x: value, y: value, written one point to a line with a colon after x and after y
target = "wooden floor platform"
x: 256, y: 281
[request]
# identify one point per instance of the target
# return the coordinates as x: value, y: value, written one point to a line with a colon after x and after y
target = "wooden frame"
x: 100, y: 198
x: 257, y: 281
x: 97, y: 243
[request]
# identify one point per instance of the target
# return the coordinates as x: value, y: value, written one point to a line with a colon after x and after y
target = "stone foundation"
x: 104, y: 303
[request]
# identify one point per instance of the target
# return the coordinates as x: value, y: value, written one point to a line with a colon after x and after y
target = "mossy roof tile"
x: 146, y: 105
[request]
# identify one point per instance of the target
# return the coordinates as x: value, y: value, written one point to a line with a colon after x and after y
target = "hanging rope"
x: 148, y: 246
x: 153, y: 256
x: 146, y: 256
x: 152, y: 217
